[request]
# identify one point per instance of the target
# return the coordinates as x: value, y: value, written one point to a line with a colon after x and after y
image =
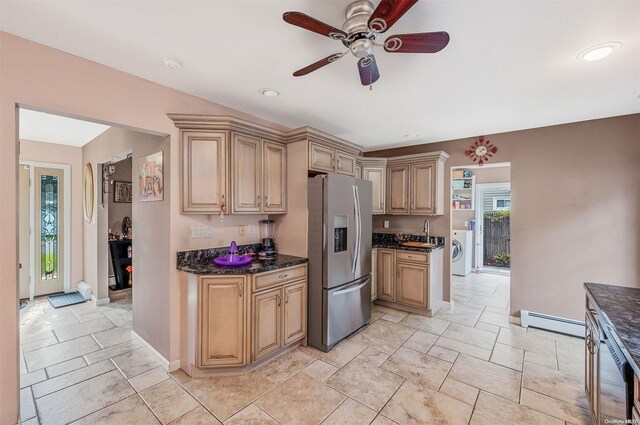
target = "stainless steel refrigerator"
x: 339, y: 258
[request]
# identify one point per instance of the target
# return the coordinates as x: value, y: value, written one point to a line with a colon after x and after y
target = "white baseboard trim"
x: 101, y: 301
x: 174, y: 365
x: 552, y: 323
x: 170, y: 366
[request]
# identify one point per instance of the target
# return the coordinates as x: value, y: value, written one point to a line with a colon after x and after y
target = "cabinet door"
x: 423, y: 191
x: 267, y: 323
x: 412, y: 282
x: 246, y: 163
x: 386, y: 275
x: 592, y: 366
x: 374, y: 274
x: 204, y: 171
x: 358, y: 171
x: 222, y: 322
x: 295, y: 311
x: 274, y: 177
x: 376, y: 175
x: 398, y: 189
x: 321, y: 158
x: 345, y: 164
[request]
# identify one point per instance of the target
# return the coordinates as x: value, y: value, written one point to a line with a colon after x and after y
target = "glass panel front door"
x: 49, y: 202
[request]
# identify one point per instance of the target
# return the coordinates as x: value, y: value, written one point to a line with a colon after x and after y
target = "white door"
x: 48, y: 230
x: 24, y: 208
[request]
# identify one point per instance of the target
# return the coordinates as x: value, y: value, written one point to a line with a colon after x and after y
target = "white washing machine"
x: 461, y: 252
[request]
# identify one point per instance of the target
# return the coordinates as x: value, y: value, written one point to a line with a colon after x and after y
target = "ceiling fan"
x: 360, y: 34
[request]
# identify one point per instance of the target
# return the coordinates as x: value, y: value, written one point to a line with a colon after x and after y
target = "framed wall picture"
x: 150, y: 178
x: 123, y: 192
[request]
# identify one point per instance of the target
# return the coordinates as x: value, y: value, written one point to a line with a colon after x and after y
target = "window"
x: 501, y: 203
x: 49, y: 227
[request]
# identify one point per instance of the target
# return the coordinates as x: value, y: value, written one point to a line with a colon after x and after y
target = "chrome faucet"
x: 426, y: 229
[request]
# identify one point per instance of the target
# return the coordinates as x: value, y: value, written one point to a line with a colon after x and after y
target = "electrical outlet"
x: 386, y: 224
x: 242, y: 230
x: 252, y: 229
x: 466, y: 224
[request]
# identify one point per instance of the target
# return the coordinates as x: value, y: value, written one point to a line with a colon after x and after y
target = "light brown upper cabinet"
x: 398, y: 189
x: 415, y: 184
x: 246, y: 166
x: 377, y: 177
x: 321, y: 158
x: 221, y: 338
x: 204, y: 171
x: 326, y: 159
x: 423, y: 188
x: 231, y: 165
x: 259, y: 175
x: 274, y: 177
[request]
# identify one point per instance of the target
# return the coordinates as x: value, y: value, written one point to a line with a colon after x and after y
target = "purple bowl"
x: 239, y: 260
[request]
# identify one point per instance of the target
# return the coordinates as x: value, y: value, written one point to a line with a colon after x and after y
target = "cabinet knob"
x: 282, y: 276
x: 266, y: 201
x: 240, y: 290
x: 259, y: 201
x: 278, y: 298
x: 286, y: 298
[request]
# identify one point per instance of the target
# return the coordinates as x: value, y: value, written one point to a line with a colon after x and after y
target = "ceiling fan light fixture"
x: 598, y: 52
x: 172, y: 63
x: 269, y: 93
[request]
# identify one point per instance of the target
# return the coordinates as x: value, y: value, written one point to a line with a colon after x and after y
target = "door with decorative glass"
x: 48, y: 230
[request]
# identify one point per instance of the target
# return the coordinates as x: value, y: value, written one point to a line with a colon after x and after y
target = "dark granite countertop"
x: 393, y: 240
x: 619, y: 306
x: 256, y: 266
x: 396, y: 245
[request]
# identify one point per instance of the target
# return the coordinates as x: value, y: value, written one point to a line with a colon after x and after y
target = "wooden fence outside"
x: 496, y: 238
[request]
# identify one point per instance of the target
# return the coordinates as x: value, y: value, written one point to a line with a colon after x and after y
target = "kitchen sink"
x: 414, y: 244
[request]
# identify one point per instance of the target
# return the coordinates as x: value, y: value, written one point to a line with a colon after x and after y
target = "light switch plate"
x: 201, y: 232
x: 386, y: 224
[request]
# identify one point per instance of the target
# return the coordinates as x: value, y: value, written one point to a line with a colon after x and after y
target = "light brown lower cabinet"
x: 232, y: 321
x: 412, y: 281
x: 592, y: 364
x: 279, y: 318
x: 221, y: 333
x: 386, y: 274
x: 267, y: 320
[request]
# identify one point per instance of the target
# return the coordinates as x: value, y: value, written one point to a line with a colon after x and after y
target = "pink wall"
x: 38, y: 76
x: 575, y: 213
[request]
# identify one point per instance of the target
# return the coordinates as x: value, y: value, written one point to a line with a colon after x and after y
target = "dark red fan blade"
x: 317, y: 65
x: 388, y: 12
x: 368, y: 70
x: 307, y: 22
x: 426, y: 42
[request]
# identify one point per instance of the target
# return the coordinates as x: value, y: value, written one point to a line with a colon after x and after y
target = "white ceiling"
x: 510, y: 65
x: 50, y: 128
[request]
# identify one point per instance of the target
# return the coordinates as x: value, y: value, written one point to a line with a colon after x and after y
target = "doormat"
x: 62, y: 300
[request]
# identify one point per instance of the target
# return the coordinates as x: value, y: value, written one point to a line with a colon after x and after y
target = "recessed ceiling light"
x: 600, y: 51
x: 410, y: 135
x: 172, y: 63
x: 269, y: 93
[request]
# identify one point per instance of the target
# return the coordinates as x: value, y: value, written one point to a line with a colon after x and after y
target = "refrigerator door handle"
x: 358, y: 223
x: 350, y: 289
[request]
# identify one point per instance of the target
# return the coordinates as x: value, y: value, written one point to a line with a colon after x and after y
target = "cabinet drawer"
x: 278, y: 277
x: 420, y: 257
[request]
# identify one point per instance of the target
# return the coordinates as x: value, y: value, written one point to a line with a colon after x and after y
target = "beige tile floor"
x: 470, y: 364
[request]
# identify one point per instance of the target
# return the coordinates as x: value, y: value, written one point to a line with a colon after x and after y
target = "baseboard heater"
x: 552, y: 323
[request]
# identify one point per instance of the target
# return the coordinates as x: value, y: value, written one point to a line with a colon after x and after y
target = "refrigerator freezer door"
x: 340, y: 224
x: 347, y: 309
x: 363, y: 263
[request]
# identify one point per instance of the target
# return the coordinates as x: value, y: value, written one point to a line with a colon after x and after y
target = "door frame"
x: 481, y: 188
x: 66, y: 263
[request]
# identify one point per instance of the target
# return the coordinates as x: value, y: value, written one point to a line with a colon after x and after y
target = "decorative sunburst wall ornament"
x: 481, y: 150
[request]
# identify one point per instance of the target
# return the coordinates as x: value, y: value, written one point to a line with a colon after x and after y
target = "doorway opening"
x: 44, y: 228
